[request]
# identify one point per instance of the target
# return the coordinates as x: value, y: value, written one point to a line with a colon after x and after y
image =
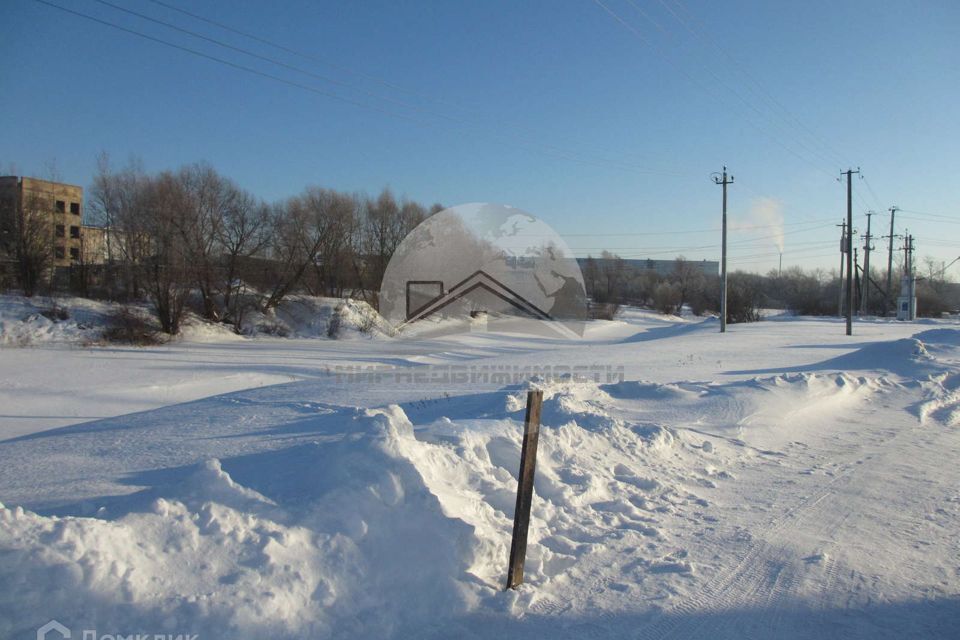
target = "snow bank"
x: 79, y: 321
x: 42, y: 320
x: 376, y: 529
x: 318, y: 317
x: 345, y: 537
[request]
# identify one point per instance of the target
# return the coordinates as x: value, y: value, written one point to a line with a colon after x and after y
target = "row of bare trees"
x: 610, y: 279
x: 195, y: 234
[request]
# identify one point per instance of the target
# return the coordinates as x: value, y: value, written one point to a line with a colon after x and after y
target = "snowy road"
x: 860, y: 513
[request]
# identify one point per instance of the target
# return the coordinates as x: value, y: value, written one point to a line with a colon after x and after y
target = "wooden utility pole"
x: 856, y: 277
x: 528, y: 464
x: 911, y: 280
x: 893, y: 212
x: 843, y: 252
x: 849, y: 173
x: 723, y: 251
x: 865, y: 283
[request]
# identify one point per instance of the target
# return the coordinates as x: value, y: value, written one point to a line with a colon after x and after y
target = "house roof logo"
x: 477, y: 280
x: 484, y: 266
x: 46, y: 631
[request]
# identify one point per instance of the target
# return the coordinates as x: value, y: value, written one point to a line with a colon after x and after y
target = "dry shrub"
x: 604, y: 310
x: 128, y: 326
x: 55, y: 313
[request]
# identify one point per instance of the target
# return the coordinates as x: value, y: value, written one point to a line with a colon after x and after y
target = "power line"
x: 738, y: 261
x: 873, y: 193
x: 864, y: 207
x: 736, y: 93
x: 794, y: 252
x: 735, y: 227
x: 940, y: 242
x: 403, y: 104
x: 228, y: 63
x: 552, y: 150
x: 705, y: 36
x: 632, y: 29
x: 929, y: 219
x: 269, y: 59
x: 301, y: 54
x: 935, y: 215
x: 625, y: 252
x: 499, y: 123
x: 757, y: 194
x: 745, y: 243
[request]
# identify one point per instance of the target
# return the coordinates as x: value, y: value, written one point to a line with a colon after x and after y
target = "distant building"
x: 55, y: 209
x: 660, y: 267
x: 96, y: 244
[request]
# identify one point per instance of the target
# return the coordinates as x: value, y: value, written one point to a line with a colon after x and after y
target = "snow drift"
x: 369, y: 529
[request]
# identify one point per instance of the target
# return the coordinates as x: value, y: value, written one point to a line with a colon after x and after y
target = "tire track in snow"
x: 768, y: 564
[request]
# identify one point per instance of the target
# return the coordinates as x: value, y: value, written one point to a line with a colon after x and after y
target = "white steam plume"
x: 765, y: 218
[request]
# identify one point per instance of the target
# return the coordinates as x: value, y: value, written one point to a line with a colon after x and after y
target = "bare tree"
x: 301, y: 226
x: 205, y: 198
x: 382, y: 234
x: 167, y: 273
x: 33, y: 232
x: 242, y: 235
x: 117, y: 202
x: 688, y: 278
x: 614, y: 271
x: 933, y: 295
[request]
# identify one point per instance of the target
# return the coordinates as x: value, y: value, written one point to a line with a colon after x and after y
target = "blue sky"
x: 605, y: 118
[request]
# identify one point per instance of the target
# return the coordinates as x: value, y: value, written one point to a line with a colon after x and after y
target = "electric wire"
x: 552, y: 151
x: 636, y: 32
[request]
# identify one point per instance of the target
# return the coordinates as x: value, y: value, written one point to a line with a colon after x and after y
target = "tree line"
x: 193, y: 232
x: 192, y: 235
x: 611, y: 280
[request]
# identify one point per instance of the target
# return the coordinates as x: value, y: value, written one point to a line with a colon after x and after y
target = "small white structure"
x: 907, y: 302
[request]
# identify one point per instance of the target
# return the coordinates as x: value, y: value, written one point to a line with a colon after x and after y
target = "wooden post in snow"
x: 528, y: 463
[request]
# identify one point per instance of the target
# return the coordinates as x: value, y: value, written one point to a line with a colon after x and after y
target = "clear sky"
x: 603, y: 117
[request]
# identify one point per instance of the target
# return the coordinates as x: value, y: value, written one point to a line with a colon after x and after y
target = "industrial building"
x: 44, y: 208
x: 660, y: 267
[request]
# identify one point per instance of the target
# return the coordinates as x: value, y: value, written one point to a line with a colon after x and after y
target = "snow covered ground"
x: 781, y: 480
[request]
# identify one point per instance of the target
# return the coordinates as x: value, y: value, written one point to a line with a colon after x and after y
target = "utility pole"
x: 893, y: 212
x: 843, y: 251
x: 865, y: 283
x: 723, y: 251
x: 911, y: 280
x: 849, y: 173
x: 856, y: 277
